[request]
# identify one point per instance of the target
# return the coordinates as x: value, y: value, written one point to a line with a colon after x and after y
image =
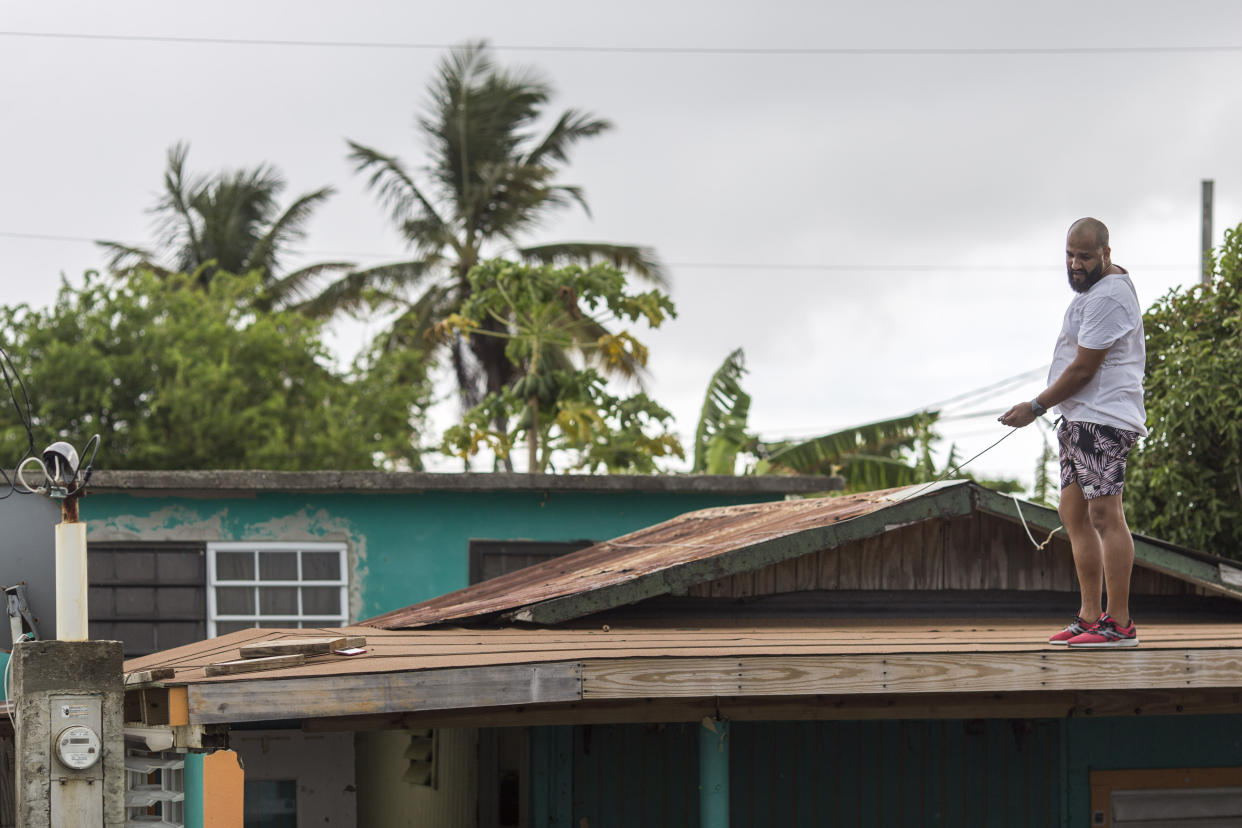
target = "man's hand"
x: 1018, y: 416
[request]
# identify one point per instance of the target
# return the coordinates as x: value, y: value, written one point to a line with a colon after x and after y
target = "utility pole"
x: 68, y: 693
x: 1205, y: 247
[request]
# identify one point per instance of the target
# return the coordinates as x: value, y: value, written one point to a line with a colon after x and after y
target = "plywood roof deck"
x: 463, y: 669
x: 405, y: 650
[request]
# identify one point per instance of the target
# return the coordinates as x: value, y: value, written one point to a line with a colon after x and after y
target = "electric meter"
x: 77, y: 747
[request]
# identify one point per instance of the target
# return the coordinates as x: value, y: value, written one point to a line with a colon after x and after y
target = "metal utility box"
x: 28, y: 554
x: 77, y: 790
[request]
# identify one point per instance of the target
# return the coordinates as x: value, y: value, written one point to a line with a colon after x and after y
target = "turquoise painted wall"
x: 984, y: 772
x: 404, y: 547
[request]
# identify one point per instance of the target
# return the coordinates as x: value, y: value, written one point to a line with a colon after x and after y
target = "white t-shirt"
x: 1106, y: 316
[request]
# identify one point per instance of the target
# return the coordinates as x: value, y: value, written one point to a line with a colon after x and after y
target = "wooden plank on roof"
x: 376, y: 693
x: 1010, y: 705
x: 945, y: 502
x: 251, y: 665
x: 289, y: 646
x: 911, y: 673
x: 148, y: 676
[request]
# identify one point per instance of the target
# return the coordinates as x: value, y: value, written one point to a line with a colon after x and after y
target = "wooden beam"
x: 1135, y: 669
x: 1159, y: 676
x: 178, y: 706
x: 1020, y: 705
x: 946, y: 502
x: 152, y: 705
x: 650, y: 711
x: 1158, y: 703
x: 249, y: 700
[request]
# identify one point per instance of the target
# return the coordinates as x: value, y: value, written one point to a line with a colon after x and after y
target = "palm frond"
x: 124, y: 259
x: 562, y: 195
x: 571, y: 127
x: 820, y: 454
x: 721, y: 431
x: 287, y: 228
x: 296, y: 289
x: 866, y: 472
x: 178, y: 224
x: 360, y: 287
x: 641, y: 261
x: 392, y: 184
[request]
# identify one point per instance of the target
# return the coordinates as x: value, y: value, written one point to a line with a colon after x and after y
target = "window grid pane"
x: 289, y: 585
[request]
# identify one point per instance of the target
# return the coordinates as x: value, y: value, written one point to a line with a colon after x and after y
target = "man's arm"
x: 1072, y: 380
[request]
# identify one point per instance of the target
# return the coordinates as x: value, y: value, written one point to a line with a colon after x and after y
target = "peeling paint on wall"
x: 194, y: 524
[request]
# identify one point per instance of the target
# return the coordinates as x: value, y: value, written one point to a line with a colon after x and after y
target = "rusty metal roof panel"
x: 689, y: 538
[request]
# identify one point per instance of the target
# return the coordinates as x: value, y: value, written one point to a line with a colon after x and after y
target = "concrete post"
x: 57, y: 685
x: 714, y: 773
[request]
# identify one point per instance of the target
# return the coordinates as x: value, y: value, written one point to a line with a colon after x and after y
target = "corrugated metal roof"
x: 709, y: 544
x: 692, y: 537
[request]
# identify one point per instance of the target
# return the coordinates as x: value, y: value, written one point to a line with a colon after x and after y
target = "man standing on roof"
x: 1096, y: 383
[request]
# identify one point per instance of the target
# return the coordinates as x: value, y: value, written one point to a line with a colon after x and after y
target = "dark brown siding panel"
x: 148, y: 596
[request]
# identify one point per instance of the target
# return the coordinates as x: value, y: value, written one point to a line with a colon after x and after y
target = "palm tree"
x: 491, y: 179
x: 230, y: 221
x: 869, y: 456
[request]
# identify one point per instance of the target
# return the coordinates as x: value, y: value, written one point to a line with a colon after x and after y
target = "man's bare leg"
x: 1088, y: 550
x: 1118, y: 549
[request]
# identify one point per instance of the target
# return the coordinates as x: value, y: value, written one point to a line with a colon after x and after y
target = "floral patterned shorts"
x: 1094, y: 457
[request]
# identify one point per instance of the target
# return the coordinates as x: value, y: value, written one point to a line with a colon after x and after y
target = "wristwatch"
x: 1037, y: 409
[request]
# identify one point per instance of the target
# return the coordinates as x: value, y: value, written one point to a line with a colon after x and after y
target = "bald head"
x: 1091, y: 228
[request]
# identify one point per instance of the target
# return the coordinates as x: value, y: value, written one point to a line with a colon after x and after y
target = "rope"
x: 1039, y: 547
x: 960, y: 466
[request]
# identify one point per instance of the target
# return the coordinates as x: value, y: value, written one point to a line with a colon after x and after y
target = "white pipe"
x: 71, y: 580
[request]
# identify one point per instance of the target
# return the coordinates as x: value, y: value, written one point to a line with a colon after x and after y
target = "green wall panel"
x: 1144, y: 742
x: 405, y: 547
x: 635, y: 776
x: 1022, y: 773
x: 876, y: 773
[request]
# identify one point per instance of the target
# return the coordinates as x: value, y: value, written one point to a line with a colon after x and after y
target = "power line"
x: 827, y: 51
x: 990, y: 390
x: 694, y: 265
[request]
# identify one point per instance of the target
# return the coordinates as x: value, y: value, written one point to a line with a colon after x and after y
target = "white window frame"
x: 299, y: 620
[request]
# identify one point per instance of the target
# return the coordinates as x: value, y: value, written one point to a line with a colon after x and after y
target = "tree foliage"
x: 871, y: 456
x: 880, y: 455
x: 542, y: 316
x: 490, y: 180
x: 179, y: 378
x: 230, y: 221
x: 1185, y: 483
x: 721, y: 432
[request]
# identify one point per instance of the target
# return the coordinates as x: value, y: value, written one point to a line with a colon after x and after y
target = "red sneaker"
x: 1076, y: 627
x: 1106, y: 633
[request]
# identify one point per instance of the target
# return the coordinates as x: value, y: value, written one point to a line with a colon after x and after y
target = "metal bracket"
x: 21, y: 621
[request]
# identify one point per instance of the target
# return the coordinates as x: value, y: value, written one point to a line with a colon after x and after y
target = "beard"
x: 1094, y: 275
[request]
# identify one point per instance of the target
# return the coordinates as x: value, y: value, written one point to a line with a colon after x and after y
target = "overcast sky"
x: 870, y: 198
